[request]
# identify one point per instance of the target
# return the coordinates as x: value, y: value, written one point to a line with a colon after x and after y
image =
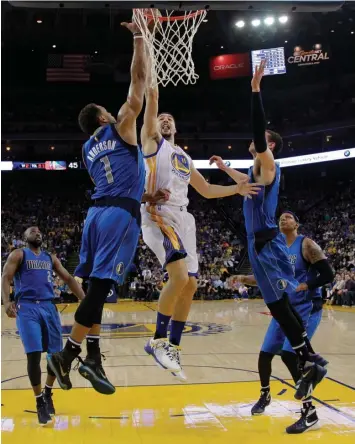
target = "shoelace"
x: 174, y: 353
x: 79, y: 361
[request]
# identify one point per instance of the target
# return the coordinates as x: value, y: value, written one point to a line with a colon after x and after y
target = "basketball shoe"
x: 42, y: 412
x: 92, y: 370
x: 60, y: 365
x: 262, y: 403
x: 49, y: 401
x: 318, y: 359
x: 312, y: 375
x: 307, y: 421
x: 166, y: 355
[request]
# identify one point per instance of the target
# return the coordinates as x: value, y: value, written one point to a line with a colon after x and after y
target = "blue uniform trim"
x: 157, y: 151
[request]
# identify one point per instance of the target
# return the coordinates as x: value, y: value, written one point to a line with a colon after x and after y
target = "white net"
x: 169, y: 43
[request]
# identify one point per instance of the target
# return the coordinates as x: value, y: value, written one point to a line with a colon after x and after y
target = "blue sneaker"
x: 312, y: 375
x: 166, y: 355
x: 318, y: 359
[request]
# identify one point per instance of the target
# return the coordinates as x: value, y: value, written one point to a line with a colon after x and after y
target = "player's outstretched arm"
x: 236, y: 175
x: 242, y: 279
x: 264, y: 155
x: 127, y: 115
x: 10, y: 268
x: 74, y: 286
x: 215, y: 191
x: 313, y: 254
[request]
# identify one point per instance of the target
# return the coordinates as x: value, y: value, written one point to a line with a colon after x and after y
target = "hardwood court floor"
x: 220, y: 350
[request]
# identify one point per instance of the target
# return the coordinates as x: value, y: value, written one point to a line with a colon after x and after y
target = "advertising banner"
x: 230, y: 66
x: 307, y: 57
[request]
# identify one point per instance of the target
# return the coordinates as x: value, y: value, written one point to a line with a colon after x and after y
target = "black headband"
x: 293, y: 214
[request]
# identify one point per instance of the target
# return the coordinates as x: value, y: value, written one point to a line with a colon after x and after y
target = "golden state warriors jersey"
x: 169, y: 168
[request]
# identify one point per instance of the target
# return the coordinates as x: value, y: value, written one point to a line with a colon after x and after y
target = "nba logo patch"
x: 120, y: 269
x: 281, y: 284
x: 180, y: 164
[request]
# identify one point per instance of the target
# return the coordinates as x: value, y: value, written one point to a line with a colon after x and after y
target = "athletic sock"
x: 47, y: 389
x: 309, y: 346
x: 177, y: 327
x: 265, y: 390
x: 93, y: 346
x: 307, y: 403
x: 162, y: 326
x: 72, y: 348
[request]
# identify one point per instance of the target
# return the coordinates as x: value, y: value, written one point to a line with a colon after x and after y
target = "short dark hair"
x: 277, y: 139
x: 168, y: 114
x: 88, y: 118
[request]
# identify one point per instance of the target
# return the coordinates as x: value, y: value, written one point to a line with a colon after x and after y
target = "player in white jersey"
x: 169, y: 229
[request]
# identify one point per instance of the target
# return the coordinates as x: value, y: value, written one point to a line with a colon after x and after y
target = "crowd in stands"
x: 328, y: 219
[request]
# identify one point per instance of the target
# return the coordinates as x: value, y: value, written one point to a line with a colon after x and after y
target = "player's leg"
x: 274, y: 275
x: 113, y: 236
x: 309, y: 416
x: 184, y: 301
x: 28, y: 322
x: 272, y: 345
x: 165, y: 243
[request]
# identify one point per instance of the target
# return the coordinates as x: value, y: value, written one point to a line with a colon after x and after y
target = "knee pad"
x: 90, y: 310
x: 34, y: 368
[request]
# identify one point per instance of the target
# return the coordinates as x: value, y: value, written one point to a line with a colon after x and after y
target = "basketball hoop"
x: 169, y: 41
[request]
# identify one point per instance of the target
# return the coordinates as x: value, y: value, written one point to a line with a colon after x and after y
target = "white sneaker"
x: 181, y: 376
x: 165, y: 354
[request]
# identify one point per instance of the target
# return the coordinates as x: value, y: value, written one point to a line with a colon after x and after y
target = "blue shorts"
x: 39, y: 327
x: 275, y: 340
x: 109, y: 242
x: 272, y: 269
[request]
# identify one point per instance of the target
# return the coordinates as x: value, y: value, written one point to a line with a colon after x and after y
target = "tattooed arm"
x: 313, y: 254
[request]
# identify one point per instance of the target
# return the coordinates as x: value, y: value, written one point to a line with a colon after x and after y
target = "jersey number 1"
x: 106, y: 161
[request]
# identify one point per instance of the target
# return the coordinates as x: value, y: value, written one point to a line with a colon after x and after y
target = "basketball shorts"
x: 39, y: 326
x: 275, y: 340
x: 108, y: 245
x: 272, y: 269
x: 170, y: 232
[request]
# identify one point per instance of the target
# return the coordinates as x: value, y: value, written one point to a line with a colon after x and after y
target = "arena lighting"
x: 352, y: 32
x: 39, y: 21
x: 283, y: 19
x: 240, y: 24
x: 229, y: 147
x: 8, y: 148
x: 186, y: 147
x: 54, y: 46
x: 255, y: 22
x: 269, y: 21
x: 52, y: 148
x: 285, y: 41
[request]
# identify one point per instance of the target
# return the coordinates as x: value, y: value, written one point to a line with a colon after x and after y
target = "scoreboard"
x: 275, y: 57
x: 49, y: 165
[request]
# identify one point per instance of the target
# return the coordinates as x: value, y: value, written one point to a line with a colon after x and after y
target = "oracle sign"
x: 230, y: 66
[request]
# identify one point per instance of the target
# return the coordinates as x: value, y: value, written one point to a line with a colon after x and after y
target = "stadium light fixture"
x: 269, y: 21
x: 39, y: 21
x: 229, y: 147
x: 52, y: 148
x: 8, y: 148
x: 332, y: 30
x: 205, y: 20
x: 54, y: 46
x: 352, y: 32
x: 283, y: 19
x: 240, y: 24
x: 255, y: 22
x: 186, y: 147
x: 286, y: 41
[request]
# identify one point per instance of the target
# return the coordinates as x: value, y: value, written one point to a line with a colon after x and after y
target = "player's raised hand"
x: 131, y: 26
x: 10, y: 309
x: 258, y: 75
x: 219, y: 162
x: 245, y: 188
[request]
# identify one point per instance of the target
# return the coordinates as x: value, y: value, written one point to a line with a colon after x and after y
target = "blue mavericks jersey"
x: 260, y: 211
x: 116, y: 167
x: 33, y: 280
x: 302, y: 269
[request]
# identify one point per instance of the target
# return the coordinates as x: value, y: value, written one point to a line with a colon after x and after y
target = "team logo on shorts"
x: 120, y: 269
x: 181, y: 165
x: 281, y: 284
x: 140, y: 330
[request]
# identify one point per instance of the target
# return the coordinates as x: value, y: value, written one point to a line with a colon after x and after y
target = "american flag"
x: 67, y: 68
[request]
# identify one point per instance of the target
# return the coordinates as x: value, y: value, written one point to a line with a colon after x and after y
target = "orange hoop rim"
x: 174, y: 18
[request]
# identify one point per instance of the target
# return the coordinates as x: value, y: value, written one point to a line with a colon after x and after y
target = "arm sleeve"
x: 258, y: 122
x: 325, y: 274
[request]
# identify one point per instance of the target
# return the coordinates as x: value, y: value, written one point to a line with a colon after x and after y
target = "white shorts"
x: 168, y: 230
